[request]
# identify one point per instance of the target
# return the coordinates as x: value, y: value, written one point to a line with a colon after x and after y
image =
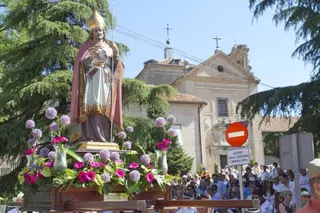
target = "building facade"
x: 207, y: 100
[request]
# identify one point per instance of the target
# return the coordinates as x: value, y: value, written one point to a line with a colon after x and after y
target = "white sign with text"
x: 238, y: 156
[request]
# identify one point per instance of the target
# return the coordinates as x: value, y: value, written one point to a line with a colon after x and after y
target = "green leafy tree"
x: 179, y: 163
x: 137, y: 93
x: 304, y: 99
x: 270, y: 148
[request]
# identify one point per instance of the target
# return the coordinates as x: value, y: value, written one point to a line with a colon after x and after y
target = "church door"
x: 223, y: 161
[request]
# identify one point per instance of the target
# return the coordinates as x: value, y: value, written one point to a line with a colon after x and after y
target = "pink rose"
x: 150, y: 177
x: 95, y: 164
x: 166, y: 141
x: 162, y: 146
x: 133, y: 165
x: 48, y: 164
x: 78, y: 165
x: 30, y: 151
x: 82, y: 177
x: 59, y: 139
x: 90, y: 176
x: 120, y: 173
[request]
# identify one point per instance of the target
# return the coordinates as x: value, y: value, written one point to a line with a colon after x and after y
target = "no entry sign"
x: 236, y: 134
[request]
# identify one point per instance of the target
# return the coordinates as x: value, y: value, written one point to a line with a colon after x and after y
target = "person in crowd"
x: 234, y: 196
x: 274, y: 170
x: 290, y: 175
x: 289, y: 185
x: 247, y: 174
x: 265, y: 205
x: 313, y: 205
x: 256, y: 169
x: 304, y: 180
x: 264, y: 174
x: 305, y: 197
x: 284, y: 206
x: 189, y: 191
x: 205, y: 210
x: 201, y: 189
x: 268, y: 191
x: 277, y: 185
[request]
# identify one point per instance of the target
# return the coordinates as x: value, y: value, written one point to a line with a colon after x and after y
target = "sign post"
x: 236, y: 135
x: 296, y: 151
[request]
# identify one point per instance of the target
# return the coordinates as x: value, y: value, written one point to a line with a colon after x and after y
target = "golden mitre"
x: 96, y: 20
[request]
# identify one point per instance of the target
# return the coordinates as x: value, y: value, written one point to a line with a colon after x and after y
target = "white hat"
x: 305, y: 193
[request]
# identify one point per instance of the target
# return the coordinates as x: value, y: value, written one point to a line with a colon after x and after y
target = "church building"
x: 206, y: 102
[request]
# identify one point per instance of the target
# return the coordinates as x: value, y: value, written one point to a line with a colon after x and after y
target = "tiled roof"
x: 185, y: 98
x: 278, y: 124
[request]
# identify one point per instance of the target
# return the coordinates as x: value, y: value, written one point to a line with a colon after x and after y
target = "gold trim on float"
x: 90, y: 145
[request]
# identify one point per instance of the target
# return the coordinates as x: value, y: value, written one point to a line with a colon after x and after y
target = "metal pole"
x: 296, y: 167
x: 111, y: 80
x: 241, y: 187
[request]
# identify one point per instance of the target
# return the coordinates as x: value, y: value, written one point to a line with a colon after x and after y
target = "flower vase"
x: 162, y: 162
x: 30, y: 161
x: 60, y: 164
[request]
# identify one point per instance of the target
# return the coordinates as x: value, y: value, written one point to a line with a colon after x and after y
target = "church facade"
x: 207, y: 100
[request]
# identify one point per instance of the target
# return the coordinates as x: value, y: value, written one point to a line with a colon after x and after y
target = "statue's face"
x: 97, y: 33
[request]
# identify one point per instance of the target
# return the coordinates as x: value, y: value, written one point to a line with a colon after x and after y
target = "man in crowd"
x: 313, y: 205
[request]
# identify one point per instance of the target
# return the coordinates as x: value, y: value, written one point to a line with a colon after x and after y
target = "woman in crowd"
x: 284, y: 206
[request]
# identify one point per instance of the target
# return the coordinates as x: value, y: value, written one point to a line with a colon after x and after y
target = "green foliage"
x: 179, y: 163
x: 143, y: 134
x: 302, y: 16
x: 301, y: 99
x: 269, y: 147
x: 137, y: 93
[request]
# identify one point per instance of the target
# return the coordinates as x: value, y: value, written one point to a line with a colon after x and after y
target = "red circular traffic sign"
x: 236, y: 134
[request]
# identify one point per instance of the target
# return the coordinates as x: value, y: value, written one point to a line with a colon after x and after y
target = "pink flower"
x: 59, y: 139
x: 39, y: 175
x: 95, y: 164
x: 118, y: 161
x: 48, y: 164
x: 133, y: 165
x: 150, y: 166
x: 102, y: 164
x: 166, y: 141
x: 78, y: 165
x: 150, y: 177
x: 33, y: 178
x: 29, y: 151
x: 27, y: 178
x: 162, y: 146
x: 90, y: 176
x: 120, y: 173
x: 82, y: 177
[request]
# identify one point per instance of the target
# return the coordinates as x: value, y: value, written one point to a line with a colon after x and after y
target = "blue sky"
x: 195, y: 23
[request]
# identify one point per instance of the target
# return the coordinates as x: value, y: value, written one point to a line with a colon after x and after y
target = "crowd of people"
x: 274, y: 187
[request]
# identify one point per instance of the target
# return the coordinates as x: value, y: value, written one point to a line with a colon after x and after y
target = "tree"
x: 36, y: 70
x: 179, y: 163
x: 304, y: 99
x: 137, y: 93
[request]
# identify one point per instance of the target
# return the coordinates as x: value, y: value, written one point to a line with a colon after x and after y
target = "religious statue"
x: 96, y: 101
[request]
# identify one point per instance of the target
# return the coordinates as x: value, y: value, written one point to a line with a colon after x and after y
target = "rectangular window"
x: 177, y: 127
x: 223, y: 107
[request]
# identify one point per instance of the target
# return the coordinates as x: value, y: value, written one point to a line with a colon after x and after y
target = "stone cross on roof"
x: 217, y: 42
